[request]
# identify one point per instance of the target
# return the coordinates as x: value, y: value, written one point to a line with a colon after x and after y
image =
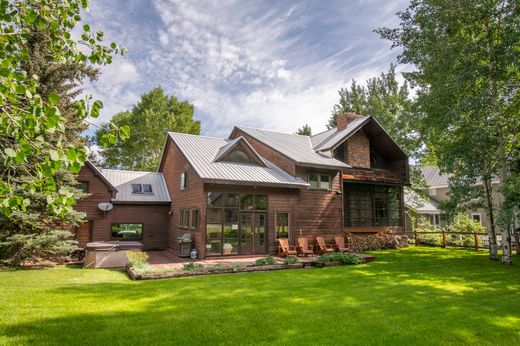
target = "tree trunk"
x: 493, y: 249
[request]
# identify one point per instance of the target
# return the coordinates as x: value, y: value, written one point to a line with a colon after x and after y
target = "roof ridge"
x: 193, y: 135
x: 128, y: 171
x: 274, y: 131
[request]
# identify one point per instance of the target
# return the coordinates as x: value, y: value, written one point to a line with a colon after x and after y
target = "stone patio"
x: 167, y: 259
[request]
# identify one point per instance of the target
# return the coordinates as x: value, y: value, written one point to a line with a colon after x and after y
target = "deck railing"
x: 479, y: 239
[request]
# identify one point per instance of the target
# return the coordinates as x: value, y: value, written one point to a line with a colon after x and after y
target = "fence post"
x: 475, y: 236
x: 443, y: 238
x: 416, y: 238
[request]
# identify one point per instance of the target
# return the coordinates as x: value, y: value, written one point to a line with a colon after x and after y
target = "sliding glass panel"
x: 246, y: 233
x: 230, y: 239
x: 213, y: 239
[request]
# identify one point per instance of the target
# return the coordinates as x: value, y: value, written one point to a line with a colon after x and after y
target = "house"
x: 238, y: 195
x: 421, y: 209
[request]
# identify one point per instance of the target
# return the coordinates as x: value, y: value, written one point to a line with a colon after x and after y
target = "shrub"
x: 192, y: 266
x: 430, y: 239
x: 137, y: 259
x: 290, y: 260
x: 463, y: 223
x: 265, y: 261
x: 341, y: 257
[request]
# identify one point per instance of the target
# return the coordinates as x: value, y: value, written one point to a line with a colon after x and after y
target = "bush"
x: 290, y: 260
x: 192, y: 266
x: 341, y: 257
x: 137, y: 259
x: 265, y: 261
x: 430, y: 239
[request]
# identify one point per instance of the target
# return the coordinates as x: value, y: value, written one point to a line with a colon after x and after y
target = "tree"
x: 388, y: 102
x: 150, y: 120
x: 467, y: 76
x: 305, y: 130
x: 36, y: 151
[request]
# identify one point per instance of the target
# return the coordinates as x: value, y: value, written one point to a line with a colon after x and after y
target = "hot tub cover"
x: 119, y: 245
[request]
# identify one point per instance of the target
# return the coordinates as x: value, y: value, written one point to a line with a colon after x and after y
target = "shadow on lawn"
x: 390, y: 299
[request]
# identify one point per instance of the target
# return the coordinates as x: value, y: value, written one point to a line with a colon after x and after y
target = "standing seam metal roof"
x: 339, y: 136
x: 123, y: 180
x: 296, y: 147
x: 200, y: 151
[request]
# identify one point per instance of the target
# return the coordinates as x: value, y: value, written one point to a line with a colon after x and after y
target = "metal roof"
x: 233, y: 143
x: 296, y: 147
x: 420, y: 204
x: 338, y: 136
x: 320, y: 137
x: 123, y: 180
x: 200, y: 151
x: 433, y: 177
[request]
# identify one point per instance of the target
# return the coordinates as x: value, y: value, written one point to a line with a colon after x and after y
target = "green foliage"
x: 290, y: 260
x: 137, y: 259
x: 305, y: 130
x: 37, y: 150
x: 340, y: 257
x: 192, y: 266
x: 463, y: 223
x: 149, y: 120
x: 430, y: 239
x: 265, y: 261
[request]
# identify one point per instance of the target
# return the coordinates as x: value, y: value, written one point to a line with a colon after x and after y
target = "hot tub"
x: 110, y: 254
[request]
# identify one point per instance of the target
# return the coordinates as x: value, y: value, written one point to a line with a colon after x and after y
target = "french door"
x: 252, y: 233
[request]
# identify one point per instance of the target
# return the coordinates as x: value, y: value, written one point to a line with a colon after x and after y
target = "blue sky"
x: 268, y: 64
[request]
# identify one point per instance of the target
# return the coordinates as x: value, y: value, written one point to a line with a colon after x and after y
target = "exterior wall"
x: 266, y: 152
x: 154, y: 217
x: 174, y: 164
x: 358, y: 150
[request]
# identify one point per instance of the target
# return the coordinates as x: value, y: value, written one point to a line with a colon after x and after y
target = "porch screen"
x: 372, y: 205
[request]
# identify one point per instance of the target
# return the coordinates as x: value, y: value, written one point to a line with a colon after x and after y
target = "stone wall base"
x: 359, y: 242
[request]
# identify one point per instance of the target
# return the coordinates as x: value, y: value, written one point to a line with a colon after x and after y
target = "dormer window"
x: 238, y: 156
x: 142, y: 188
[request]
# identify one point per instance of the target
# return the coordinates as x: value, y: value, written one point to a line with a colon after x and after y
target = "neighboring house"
x: 421, y: 209
x: 237, y: 196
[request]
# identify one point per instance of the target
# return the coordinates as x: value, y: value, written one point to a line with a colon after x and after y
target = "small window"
x: 476, y: 217
x: 184, y: 181
x: 137, y: 188
x: 432, y: 192
x: 83, y: 186
x: 147, y: 188
x: 127, y: 231
x: 184, y: 218
x: 238, y: 156
x: 320, y: 181
x: 194, y: 219
x: 282, y: 225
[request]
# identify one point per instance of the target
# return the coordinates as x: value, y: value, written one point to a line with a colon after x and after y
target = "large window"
x: 238, y: 156
x: 372, y: 205
x: 127, y: 231
x: 282, y: 225
x: 320, y: 181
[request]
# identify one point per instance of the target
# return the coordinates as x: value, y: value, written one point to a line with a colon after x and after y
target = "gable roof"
x: 100, y: 175
x: 337, y: 137
x: 200, y: 152
x: 433, y: 177
x: 420, y: 204
x: 123, y: 181
x: 297, y: 148
x: 227, y: 148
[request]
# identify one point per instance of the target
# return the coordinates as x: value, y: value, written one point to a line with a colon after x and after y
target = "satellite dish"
x: 105, y: 206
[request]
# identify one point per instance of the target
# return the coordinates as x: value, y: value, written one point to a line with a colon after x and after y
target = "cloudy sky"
x: 266, y: 63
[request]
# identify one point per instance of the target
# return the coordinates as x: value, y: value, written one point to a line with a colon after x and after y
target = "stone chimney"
x: 343, y: 120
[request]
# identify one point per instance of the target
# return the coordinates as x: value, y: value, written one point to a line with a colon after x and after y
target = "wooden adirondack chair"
x: 340, y: 244
x: 304, y: 248
x: 285, y: 249
x: 322, y: 246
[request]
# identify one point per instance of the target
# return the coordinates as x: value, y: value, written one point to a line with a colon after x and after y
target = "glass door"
x: 246, y: 233
x: 260, y: 234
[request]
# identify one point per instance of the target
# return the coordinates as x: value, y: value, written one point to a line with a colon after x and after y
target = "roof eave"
x: 254, y: 183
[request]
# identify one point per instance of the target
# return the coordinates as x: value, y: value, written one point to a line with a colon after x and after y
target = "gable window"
x: 127, y: 231
x: 320, y: 181
x: 184, y: 181
x: 238, y: 156
x: 83, y: 186
x: 141, y: 188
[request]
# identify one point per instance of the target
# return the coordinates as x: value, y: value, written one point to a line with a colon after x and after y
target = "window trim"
x: 197, y: 226
x: 185, y: 218
x: 142, y: 192
x: 184, y: 181
x: 127, y: 223
x: 276, y: 224
x: 319, y: 181
x: 479, y: 217
x: 85, y: 183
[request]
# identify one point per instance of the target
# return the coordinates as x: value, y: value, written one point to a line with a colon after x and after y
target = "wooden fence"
x: 477, y: 244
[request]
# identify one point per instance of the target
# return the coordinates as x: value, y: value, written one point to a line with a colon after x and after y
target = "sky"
x: 268, y: 64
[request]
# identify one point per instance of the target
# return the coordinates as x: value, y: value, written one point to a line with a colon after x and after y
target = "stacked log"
x: 359, y: 242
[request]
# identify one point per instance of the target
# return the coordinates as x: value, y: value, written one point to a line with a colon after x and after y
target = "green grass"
x: 410, y: 296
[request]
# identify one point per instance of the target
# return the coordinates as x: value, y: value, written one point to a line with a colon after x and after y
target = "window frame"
x: 127, y: 223
x: 319, y: 175
x: 479, y: 217
x: 194, y: 211
x: 80, y: 185
x: 184, y: 181
x: 141, y: 189
x: 276, y: 224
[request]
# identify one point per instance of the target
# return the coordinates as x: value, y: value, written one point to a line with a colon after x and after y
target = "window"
x: 238, y: 156
x: 432, y: 192
x: 476, y: 217
x: 184, y: 181
x: 83, y: 186
x: 127, y: 231
x: 184, y: 218
x: 435, y: 220
x: 141, y: 188
x: 194, y: 219
x: 372, y: 205
x: 282, y: 225
x: 319, y: 181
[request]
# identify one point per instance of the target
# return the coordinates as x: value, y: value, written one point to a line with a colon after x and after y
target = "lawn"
x: 410, y: 296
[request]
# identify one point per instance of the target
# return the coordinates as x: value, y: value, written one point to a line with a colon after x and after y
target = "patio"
x: 167, y: 259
